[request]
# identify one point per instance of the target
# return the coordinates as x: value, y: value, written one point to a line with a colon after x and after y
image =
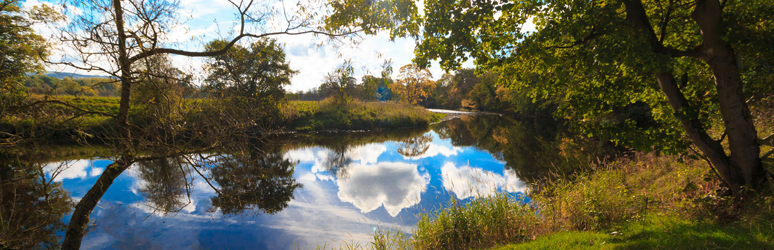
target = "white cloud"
x: 394, y: 185
x: 368, y: 153
x: 513, y: 184
x: 78, y: 169
x: 300, y: 154
x: 466, y: 181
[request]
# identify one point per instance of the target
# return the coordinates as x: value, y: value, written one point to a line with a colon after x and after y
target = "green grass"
x: 356, y: 115
x: 102, y: 104
x: 658, y: 232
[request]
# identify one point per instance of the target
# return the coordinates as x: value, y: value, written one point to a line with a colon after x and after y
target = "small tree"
x: 412, y: 84
x: 251, y: 77
x: 339, y: 83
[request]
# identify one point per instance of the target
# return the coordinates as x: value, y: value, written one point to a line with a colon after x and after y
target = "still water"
x: 309, y: 190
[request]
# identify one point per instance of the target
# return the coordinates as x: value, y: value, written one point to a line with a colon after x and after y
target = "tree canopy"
x: 685, y: 59
x: 412, y: 84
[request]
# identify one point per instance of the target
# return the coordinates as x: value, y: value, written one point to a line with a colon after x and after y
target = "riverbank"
x: 645, y: 201
x: 62, y: 125
x: 356, y: 115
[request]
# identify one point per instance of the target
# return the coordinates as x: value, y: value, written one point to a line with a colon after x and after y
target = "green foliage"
x: 658, y: 232
x: 42, y: 84
x: 22, y: 50
x: 250, y: 78
x: 586, y: 56
x: 258, y: 72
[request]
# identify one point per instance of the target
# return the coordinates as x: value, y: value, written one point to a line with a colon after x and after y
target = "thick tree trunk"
x: 742, y: 166
x: 718, y: 54
x: 694, y: 128
x: 80, y: 218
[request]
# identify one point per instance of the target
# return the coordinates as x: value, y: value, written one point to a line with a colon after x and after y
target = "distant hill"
x: 62, y: 75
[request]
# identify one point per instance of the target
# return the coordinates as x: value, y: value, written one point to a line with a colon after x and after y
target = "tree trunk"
x: 742, y: 166
x: 126, y: 81
x: 80, y: 218
x: 695, y: 129
x: 742, y: 136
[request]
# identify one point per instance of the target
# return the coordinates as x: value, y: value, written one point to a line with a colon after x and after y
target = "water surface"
x: 309, y: 190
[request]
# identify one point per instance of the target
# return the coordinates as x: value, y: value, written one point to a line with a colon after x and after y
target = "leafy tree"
x: 257, y: 72
x: 22, y: 50
x: 412, y: 84
x: 685, y: 59
x: 484, y: 93
x: 251, y: 77
x: 370, y: 86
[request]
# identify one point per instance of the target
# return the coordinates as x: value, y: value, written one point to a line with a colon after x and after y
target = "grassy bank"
x: 356, y: 115
x: 642, y: 202
x: 59, y: 123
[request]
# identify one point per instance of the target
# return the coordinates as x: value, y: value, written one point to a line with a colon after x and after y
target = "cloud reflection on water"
x: 394, y: 185
x: 77, y: 169
x: 467, y: 181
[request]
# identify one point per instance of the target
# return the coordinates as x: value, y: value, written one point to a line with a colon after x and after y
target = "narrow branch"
x: 594, y: 34
x: 231, y: 44
x: 665, y: 22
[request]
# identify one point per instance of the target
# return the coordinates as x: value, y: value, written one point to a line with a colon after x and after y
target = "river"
x: 306, y: 190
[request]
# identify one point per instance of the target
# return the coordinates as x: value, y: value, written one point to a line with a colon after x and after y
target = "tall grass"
x: 483, y: 222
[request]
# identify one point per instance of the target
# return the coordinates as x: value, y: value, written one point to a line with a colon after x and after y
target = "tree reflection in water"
x: 167, y: 183
x: 415, y: 146
x: 31, y: 204
x: 534, y: 148
x: 338, y: 160
x: 255, y: 180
